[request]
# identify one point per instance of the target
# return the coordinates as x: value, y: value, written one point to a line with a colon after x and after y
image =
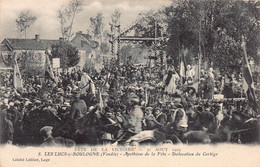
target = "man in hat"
x: 161, y: 117
x: 49, y: 140
x: 134, y: 119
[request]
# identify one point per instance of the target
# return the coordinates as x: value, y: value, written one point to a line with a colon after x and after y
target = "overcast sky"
x: 47, y: 24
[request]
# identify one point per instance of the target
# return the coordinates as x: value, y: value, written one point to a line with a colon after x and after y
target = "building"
x: 86, y: 46
x: 11, y: 46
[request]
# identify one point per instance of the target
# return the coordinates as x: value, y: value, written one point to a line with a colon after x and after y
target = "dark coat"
x: 58, y: 141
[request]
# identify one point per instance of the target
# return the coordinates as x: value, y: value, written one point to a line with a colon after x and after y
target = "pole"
x: 199, y: 56
x: 118, y: 45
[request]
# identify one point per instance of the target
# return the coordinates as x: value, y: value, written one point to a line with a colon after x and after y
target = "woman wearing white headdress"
x: 170, y: 80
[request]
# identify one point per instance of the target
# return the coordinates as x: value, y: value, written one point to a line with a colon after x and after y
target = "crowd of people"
x: 118, y: 104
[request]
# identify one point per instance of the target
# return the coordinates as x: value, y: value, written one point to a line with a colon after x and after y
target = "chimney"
x: 37, y: 37
x: 61, y: 39
x: 79, y: 33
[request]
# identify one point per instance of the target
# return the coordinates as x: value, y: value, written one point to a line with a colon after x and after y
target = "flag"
x: 146, y: 97
x: 183, y: 66
x: 17, y: 80
x: 48, y: 68
x: 101, y: 103
x: 93, y: 88
x: 248, y: 83
x: 196, y: 78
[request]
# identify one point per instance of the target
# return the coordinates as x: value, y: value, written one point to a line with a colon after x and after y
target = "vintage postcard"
x: 129, y: 83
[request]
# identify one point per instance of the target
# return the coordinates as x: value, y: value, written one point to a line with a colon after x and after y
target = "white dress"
x: 171, y: 87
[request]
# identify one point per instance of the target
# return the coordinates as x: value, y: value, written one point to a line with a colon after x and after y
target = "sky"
x: 47, y: 24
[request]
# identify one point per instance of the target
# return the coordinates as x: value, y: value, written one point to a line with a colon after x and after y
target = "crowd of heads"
x: 43, y: 102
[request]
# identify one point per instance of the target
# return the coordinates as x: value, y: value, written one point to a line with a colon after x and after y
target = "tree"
x: 97, y: 26
x: 115, y: 17
x: 126, y: 52
x: 69, y: 55
x: 24, y: 21
x: 66, y: 15
x: 104, y: 47
x: 213, y: 28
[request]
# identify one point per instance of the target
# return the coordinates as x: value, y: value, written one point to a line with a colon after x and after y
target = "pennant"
x: 17, y: 80
x: 48, y: 68
x: 248, y: 83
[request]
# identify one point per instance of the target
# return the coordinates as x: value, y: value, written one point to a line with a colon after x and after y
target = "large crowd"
x: 123, y: 105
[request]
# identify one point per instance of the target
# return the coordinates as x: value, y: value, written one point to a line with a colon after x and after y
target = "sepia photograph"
x: 108, y: 82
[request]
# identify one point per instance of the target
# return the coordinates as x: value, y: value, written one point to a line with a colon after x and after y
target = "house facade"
x: 35, y: 48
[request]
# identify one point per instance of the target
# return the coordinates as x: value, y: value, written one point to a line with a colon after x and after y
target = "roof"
x: 91, y: 43
x: 4, y: 47
x: 30, y: 44
x: 84, y: 39
x: 86, y: 36
x: 2, y: 63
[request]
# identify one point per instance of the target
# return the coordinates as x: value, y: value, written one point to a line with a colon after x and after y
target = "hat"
x: 27, y: 103
x: 149, y: 108
x: 66, y: 104
x: 191, y: 88
x: 17, y: 102
x: 26, y: 99
x: 5, y: 101
x: 46, y: 129
x: 107, y: 136
x: 156, y: 108
x: 11, y: 103
x: 91, y: 108
x: 38, y: 102
x: 177, y: 105
x: 133, y: 97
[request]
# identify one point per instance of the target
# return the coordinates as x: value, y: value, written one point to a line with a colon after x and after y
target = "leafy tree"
x: 97, y: 26
x: 211, y: 28
x: 69, y: 55
x: 104, y: 47
x: 66, y: 16
x: 24, y: 21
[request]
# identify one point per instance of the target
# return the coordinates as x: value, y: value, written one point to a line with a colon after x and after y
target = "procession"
x: 174, y: 96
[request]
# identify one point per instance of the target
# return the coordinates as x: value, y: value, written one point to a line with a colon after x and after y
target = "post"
x: 118, y: 45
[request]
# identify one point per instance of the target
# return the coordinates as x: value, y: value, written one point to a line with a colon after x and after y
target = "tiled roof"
x: 30, y: 44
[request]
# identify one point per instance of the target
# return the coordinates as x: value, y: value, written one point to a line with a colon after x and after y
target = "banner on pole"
x: 56, y: 63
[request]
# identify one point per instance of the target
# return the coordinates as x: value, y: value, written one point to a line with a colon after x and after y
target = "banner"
x: 183, y: 66
x: 18, y: 84
x: 35, y: 63
x: 48, y: 68
x: 248, y: 83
